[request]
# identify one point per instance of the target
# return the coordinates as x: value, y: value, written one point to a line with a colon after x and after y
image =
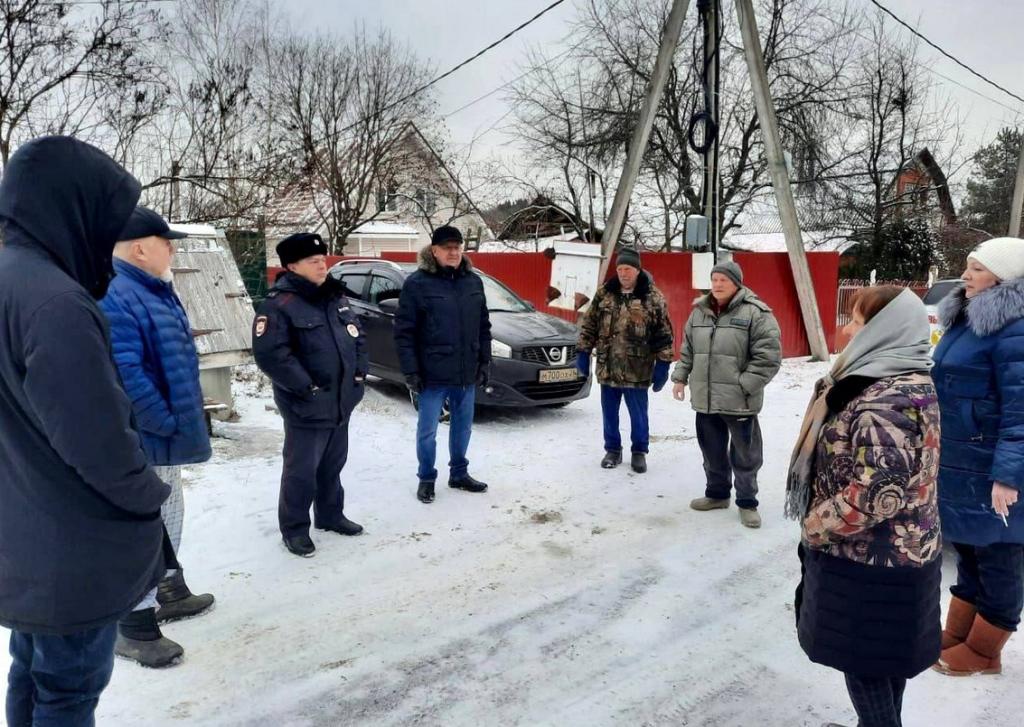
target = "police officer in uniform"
x: 309, y: 342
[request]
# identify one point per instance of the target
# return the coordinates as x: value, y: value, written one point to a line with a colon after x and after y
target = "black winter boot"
x: 468, y: 484
x: 611, y: 460
x: 638, y: 462
x: 139, y: 640
x: 344, y: 526
x: 177, y: 601
x: 425, y: 492
x: 300, y: 545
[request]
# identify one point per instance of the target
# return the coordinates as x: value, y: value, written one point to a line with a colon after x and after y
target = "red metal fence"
x: 768, y: 274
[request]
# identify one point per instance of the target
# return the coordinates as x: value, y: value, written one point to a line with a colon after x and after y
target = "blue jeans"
x: 639, y: 424
x: 461, y: 400
x: 56, y: 681
x: 992, y: 578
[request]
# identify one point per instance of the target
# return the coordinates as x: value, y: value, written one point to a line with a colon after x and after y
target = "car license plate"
x: 549, y: 376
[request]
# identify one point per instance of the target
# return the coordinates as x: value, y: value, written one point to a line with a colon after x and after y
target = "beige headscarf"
x: 894, y: 342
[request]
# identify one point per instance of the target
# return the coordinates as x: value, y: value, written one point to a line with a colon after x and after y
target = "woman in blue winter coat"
x: 979, y: 377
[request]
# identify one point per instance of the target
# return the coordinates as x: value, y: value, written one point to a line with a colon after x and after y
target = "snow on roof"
x: 195, y: 230
x: 814, y: 241
x: 382, y: 227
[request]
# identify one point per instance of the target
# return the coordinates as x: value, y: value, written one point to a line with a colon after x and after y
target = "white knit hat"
x: 1003, y: 256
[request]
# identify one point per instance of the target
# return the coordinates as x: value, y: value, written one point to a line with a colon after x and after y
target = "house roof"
x: 294, y: 207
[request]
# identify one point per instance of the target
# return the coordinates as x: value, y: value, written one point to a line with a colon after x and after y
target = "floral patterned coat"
x: 875, y: 499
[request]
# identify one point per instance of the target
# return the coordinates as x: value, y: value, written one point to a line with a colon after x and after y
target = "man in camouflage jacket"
x: 628, y: 328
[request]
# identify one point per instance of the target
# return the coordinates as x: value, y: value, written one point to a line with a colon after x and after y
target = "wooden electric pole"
x: 773, y: 151
x: 1018, y: 196
x: 642, y: 133
x: 780, y: 180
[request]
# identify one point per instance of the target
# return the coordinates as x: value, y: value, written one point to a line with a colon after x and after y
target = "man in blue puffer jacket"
x: 979, y: 377
x: 152, y: 344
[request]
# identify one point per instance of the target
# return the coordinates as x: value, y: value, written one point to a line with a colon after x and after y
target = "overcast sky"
x: 985, y: 34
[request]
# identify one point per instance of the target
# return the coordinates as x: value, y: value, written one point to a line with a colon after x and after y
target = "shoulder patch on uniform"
x: 261, y: 325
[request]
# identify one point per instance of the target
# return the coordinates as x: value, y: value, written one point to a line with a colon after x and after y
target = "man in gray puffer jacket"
x: 732, y: 348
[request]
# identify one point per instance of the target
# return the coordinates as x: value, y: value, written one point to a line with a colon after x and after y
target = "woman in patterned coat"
x: 863, y: 485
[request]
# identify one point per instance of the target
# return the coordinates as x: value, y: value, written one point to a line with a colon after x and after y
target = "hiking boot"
x: 978, y: 654
x: 177, y: 601
x: 425, y: 492
x: 300, y: 545
x: 709, y: 503
x: 638, y: 462
x: 959, y: 619
x: 611, y: 460
x: 468, y: 484
x: 139, y: 640
x: 750, y: 517
x: 344, y: 526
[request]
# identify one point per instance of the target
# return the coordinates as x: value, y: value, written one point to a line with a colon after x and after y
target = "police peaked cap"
x: 300, y: 246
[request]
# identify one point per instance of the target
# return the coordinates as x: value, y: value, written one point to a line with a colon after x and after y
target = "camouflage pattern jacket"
x: 876, y: 467
x: 627, y: 332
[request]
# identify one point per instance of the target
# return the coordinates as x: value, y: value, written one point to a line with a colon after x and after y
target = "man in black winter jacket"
x: 443, y: 337
x: 80, y: 530
x: 309, y: 342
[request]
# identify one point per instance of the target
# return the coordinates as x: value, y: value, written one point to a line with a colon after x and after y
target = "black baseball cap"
x: 144, y: 222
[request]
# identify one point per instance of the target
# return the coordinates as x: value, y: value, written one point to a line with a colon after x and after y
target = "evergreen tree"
x: 904, y: 251
x: 990, y: 188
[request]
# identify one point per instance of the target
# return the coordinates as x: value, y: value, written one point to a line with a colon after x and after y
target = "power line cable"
x: 941, y: 50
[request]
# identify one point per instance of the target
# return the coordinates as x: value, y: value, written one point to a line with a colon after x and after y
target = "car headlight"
x: 500, y: 350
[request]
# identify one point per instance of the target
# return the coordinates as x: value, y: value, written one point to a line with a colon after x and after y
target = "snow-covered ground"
x: 566, y: 595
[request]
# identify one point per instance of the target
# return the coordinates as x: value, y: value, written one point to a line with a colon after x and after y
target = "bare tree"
x: 210, y: 160
x: 60, y: 60
x: 580, y: 121
x: 892, y: 115
x: 346, y: 107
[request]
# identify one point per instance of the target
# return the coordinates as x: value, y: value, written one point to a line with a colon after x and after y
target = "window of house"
x: 427, y: 201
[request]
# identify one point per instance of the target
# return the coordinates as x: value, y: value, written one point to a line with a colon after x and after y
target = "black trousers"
x: 732, y: 449
x: 313, y: 460
x: 992, y: 578
x: 878, y: 701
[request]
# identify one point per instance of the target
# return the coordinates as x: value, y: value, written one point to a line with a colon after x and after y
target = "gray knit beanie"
x: 731, y: 270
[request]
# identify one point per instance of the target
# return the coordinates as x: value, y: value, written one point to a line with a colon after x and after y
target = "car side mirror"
x: 389, y: 305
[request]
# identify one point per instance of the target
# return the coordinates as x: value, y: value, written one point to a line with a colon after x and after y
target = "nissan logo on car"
x: 556, y: 354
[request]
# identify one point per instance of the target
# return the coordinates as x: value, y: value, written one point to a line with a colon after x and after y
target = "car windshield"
x: 939, y: 291
x: 500, y: 299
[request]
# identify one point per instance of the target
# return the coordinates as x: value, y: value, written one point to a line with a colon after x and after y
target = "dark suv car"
x: 534, y: 354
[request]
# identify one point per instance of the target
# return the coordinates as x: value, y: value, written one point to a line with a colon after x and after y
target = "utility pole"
x: 709, y: 11
x: 780, y: 180
x: 1018, y: 196
x: 175, y: 191
x: 642, y: 133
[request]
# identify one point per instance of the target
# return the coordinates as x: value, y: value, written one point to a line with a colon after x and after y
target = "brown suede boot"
x: 979, y: 654
x: 959, y: 618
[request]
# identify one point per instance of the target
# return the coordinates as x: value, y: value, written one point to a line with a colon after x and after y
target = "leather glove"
x: 583, y: 363
x: 660, y: 375
x: 483, y: 374
x: 414, y: 382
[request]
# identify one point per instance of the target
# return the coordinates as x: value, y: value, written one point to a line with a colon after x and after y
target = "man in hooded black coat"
x: 80, y: 530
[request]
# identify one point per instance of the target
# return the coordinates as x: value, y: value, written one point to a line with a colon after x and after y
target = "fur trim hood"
x: 988, y: 312
x: 428, y: 263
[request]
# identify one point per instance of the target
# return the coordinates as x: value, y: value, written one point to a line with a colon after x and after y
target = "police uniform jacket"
x: 309, y: 342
